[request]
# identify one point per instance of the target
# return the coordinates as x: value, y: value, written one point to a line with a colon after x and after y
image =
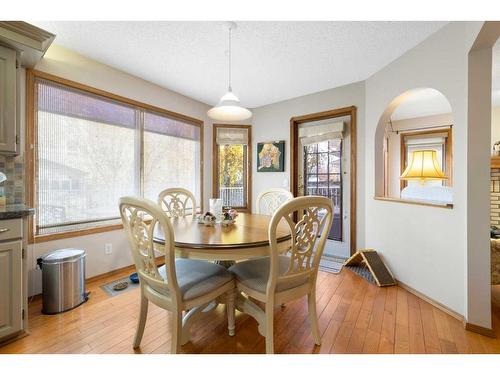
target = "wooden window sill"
x: 418, y: 203
x: 75, y: 233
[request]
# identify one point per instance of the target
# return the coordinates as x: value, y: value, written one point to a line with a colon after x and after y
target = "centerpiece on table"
x: 208, y: 219
x: 229, y: 217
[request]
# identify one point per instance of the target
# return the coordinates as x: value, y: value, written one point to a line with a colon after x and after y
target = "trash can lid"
x: 63, y: 255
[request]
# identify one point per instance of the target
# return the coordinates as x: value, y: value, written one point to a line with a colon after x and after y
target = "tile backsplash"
x: 13, y: 167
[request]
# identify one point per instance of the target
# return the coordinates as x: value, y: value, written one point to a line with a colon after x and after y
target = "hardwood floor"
x: 354, y: 317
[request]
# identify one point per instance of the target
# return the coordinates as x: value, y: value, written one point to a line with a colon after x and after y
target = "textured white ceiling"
x: 420, y: 103
x: 272, y: 61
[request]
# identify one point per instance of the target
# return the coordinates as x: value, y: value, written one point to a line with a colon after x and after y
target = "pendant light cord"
x: 229, y: 70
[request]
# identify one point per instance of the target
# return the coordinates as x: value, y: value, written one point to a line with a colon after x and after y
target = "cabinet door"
x: 11, y: 295
x: 8, y: 79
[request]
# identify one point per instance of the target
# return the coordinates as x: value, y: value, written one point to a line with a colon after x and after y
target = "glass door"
x: 323, y: 169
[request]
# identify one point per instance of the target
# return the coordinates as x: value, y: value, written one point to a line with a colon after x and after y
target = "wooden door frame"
x: 215, y: 164
x: 294, y: 155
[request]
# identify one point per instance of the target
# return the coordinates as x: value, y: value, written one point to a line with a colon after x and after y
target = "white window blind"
x: 85, y: 157
x: 232, y: 136
x: 88, y: 155
x: 171, y: 156
x: 310, y: 134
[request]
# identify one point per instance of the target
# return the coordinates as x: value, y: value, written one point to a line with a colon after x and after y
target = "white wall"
x: 72, y: 66
x: 425, y: 247
x: 272, y: 122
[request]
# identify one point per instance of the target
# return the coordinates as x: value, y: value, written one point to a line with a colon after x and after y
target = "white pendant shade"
x: 229, y: 109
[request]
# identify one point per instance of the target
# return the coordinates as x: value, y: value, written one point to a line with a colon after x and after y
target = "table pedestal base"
x: 246, y: 306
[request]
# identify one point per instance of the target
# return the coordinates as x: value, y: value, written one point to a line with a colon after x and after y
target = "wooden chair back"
x: 270, y: 200
x: 309, y: 219
x: 177, y: 202
x: 141, y: 218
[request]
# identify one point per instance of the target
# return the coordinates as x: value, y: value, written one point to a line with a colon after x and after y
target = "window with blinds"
x: 432, y: 140
x: 91, y: 150
x: 231, y: 170
x: 172, y: 156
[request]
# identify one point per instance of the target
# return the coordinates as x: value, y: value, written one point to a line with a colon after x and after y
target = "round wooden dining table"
x: 246, y: 238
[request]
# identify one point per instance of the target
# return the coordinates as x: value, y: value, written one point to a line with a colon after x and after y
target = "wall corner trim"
x: 489, y: 332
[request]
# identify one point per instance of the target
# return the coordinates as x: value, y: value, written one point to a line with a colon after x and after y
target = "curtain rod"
x: 425, y: 128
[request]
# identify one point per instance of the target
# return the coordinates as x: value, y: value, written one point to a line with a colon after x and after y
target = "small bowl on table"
x: 227, y: 222
x: 208, y: 219
x: 229, y: 217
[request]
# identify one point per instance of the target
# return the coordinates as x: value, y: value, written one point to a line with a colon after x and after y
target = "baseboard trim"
x: 489, y: 332
x: 110, y: 273
x: 433, y: 302
x: 14, y: 337
x: 131, y: 267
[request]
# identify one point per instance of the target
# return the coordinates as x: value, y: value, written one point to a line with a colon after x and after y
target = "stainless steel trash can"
x: 63, y: 280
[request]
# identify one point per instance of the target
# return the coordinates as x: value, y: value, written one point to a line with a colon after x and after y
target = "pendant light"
x: 229, y: 108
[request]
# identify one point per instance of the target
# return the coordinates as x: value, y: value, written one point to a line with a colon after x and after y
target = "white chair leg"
x: 142, y: 321
x: 313, y: 317
x: 269, y: 328
x: 176, y: 324
x: 230, y: 297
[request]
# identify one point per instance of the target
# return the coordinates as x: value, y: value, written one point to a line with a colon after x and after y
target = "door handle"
x: 3, y: 230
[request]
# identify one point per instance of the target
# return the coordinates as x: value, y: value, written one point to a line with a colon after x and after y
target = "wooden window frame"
x: 31, y: 139
x: 215, y: 164
x: 448, y: 152
x: 294, y: 144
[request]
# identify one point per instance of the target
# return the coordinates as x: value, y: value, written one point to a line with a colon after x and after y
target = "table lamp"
x: 423, y: 166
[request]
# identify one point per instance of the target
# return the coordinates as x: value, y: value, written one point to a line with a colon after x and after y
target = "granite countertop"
x: 15, y: 211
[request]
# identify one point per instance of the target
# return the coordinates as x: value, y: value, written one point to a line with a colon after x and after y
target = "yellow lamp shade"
x: 423, y: 165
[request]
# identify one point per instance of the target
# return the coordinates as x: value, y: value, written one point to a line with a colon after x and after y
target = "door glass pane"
x: 323, y: 162
x: 334, y: 144
x: 312, y: 185
x: 322, y: 176
x: 323, y: 146
x: 311, y: 163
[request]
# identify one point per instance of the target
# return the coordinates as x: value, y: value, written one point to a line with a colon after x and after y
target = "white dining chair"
x: 278, y: 278
x: 180, y: 284
x: 177, y: 202
x: 270, y: 200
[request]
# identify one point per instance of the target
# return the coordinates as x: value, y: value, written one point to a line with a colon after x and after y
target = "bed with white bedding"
x: 428, y: 194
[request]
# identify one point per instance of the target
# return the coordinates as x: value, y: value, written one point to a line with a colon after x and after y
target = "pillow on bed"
x: 431, y: 194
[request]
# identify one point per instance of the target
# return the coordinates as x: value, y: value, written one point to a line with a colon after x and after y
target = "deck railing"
x: 333, y: 191
x: 232, y: 196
